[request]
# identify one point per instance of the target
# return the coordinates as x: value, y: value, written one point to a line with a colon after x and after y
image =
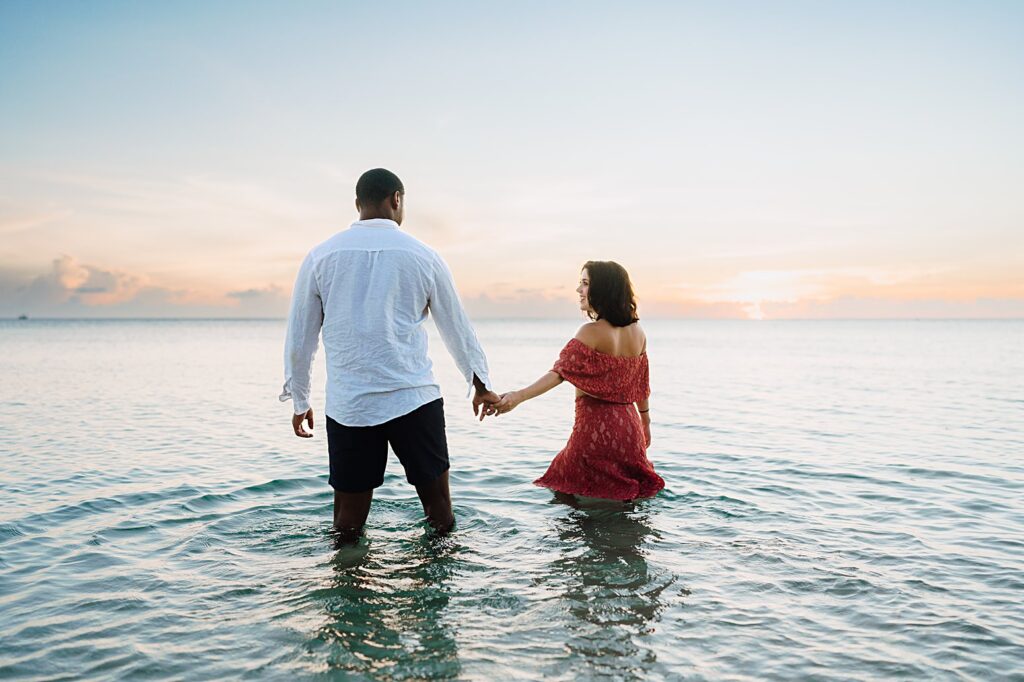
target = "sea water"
x: 844, y: 500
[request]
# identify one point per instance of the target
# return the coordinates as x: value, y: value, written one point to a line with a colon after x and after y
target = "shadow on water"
x: 387, y: 611
x: 611, y: 596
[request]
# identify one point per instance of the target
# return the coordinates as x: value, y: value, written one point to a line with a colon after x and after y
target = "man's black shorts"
x: 359, y: 454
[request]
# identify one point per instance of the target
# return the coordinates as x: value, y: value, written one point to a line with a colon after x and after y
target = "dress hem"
x: 586, y: 493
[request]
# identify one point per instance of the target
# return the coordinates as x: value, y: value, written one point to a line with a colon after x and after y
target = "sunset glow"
x: 179, y: 160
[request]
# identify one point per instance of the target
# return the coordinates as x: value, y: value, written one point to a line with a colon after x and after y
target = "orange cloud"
x: 72, y: 288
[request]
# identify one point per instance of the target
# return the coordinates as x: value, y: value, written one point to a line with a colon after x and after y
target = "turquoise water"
x: 844, y: 500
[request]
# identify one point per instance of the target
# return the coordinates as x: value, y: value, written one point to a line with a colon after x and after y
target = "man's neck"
x: 376, y: 216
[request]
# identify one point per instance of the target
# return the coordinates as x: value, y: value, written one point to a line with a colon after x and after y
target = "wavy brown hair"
x: 611, y: 293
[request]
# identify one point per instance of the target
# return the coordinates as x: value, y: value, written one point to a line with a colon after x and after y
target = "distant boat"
x: 22, y: 317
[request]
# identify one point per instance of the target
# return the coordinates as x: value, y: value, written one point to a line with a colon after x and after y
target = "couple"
x: 369, y: 289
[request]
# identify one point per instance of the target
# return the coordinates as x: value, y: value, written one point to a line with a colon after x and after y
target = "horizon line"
x: 528, y: 319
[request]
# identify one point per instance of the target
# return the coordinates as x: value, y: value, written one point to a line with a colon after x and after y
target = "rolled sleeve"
x: 305, y: 318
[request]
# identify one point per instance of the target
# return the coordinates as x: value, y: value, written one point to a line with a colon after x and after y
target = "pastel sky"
x: 741, y: 159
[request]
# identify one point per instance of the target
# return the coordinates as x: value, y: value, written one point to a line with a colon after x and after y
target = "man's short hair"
x: 376, y: 185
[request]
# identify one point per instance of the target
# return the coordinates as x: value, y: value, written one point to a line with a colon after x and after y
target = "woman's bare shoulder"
x: 641, y: 336
x: 590, y: 334
x: 602, y: 336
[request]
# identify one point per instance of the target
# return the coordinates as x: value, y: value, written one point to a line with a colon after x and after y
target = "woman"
x: 607, y: 363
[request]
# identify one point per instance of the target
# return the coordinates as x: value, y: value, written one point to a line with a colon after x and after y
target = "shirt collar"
x: 376, y: 222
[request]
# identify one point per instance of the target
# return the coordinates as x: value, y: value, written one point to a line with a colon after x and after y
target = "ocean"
x: 844, y: 501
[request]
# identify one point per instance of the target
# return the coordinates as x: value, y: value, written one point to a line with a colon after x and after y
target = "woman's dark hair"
x: 610, y: 293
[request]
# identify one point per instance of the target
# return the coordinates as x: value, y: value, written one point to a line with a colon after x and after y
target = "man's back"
x: 375, y: 286
x: 369, y: 289
x: 375, y: 283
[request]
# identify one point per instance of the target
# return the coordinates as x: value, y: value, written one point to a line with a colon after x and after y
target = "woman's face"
x: 583, y: 290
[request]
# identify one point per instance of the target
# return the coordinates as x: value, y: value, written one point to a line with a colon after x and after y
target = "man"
x: 369, y: 289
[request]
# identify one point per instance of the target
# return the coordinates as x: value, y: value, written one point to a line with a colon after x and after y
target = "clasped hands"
x: 489, y: 403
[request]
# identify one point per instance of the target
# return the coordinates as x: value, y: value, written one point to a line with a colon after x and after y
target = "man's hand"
x: 484, y: 402
x: 297, y: 424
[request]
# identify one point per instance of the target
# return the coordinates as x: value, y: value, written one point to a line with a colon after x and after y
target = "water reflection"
x: 386, y: 610
x: 613, y: 597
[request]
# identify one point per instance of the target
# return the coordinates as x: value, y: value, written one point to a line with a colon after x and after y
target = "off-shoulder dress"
x: 606, y: 455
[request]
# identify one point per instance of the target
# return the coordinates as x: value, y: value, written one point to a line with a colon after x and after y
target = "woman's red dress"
x: 606, y: 455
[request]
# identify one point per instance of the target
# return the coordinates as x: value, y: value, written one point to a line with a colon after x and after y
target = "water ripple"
x: 860, y: 522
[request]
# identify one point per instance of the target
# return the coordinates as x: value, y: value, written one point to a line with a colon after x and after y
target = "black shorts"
x: 359, y: 454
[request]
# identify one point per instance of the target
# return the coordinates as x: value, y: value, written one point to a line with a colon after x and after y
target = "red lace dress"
x: 606, y: 455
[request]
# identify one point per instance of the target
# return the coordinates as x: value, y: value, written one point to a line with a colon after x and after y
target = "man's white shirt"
x: 368, y: 290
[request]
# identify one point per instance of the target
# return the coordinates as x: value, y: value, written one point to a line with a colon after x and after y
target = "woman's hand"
x: 508, y: 402
x: 645, y: 419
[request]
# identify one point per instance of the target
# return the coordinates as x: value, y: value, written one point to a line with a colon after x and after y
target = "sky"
x: 741, y: 159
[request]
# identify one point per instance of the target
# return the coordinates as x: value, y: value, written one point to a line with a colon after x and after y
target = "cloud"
x: 70, y: 283
x: 534, y: 302
x: 839, y: 293
x: 248, y: 294
x: 692, y: 309
x: 269, y: 301
x: 74, y: 289
x: 484, y: 306
x: 876, y: 307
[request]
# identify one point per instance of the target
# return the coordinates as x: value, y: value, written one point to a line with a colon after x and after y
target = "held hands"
x: 492, y: 404
x: 484, y: 402
x: 509, y: 401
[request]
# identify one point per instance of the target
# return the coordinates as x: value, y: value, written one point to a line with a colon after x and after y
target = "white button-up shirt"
x: 369, y: 289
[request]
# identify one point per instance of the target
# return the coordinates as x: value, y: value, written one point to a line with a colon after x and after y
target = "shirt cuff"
x: 482, y: 376
x: 298, y: 404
